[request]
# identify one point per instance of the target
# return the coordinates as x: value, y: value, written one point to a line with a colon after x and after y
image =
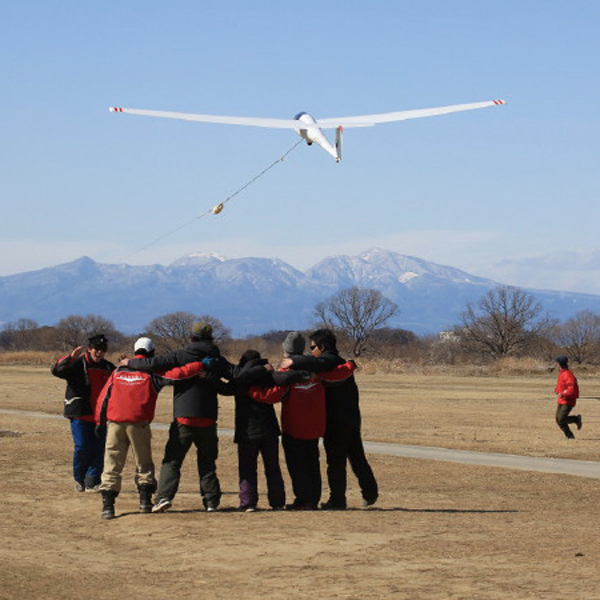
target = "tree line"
x: 506, y: 321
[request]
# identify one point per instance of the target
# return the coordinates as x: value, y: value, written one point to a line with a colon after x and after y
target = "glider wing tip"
x: 115, y: 109
x: 499, y: 101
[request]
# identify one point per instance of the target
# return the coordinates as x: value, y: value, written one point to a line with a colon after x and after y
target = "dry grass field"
x: 441, y: 530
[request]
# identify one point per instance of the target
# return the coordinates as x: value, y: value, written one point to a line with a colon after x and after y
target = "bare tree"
x: 357, y: 312
x: 19, y: 335
x: 172, y: 331
x: 76, y: 329
x: 580, y: 335
x: 501, y: 323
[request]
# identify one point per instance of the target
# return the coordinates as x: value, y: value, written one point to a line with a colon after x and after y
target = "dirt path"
x: 580, y: 468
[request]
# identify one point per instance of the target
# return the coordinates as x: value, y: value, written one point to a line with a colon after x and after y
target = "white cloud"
x: 568, y: 270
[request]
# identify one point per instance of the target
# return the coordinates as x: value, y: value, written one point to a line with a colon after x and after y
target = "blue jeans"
x: 88, y: 454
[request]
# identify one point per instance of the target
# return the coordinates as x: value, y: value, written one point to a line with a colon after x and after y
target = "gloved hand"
x: 208, y: 363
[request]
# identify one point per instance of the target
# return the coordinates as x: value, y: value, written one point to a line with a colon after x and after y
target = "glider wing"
x: 403, y: 115
x: 256, y: 122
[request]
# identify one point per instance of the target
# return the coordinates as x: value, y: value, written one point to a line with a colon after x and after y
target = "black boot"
x: 146, y: 492
x: 108, y: 504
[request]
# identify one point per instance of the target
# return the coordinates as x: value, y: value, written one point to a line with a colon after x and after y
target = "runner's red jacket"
x: 567, y: 386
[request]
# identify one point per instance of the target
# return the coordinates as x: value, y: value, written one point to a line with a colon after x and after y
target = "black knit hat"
x: 563, y: 361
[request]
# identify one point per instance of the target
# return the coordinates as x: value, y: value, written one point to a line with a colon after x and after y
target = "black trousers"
x: 344, y: 444
x: 563, y: 419
x: 302, y: 460
x: 181, y: 437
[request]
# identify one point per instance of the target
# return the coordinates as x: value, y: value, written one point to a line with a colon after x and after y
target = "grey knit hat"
x: 294, y: 343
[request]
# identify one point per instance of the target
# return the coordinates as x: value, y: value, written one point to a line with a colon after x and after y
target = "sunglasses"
x: 313, y: 346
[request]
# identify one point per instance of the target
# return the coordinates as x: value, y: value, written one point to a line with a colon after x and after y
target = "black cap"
x: 98, y: 341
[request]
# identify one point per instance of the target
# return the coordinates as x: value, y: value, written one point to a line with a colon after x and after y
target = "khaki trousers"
x: 119, y: 437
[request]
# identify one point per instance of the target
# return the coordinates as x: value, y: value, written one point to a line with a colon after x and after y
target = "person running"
x: 86, y: 372
x: 567, y: 392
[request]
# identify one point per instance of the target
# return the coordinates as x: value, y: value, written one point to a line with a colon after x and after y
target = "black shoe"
x: 145, y: 491
x: 579, y: 422
x: 108, y: 504
x: 329, y: 505
x: 369, y: 501
x: 296, y: 506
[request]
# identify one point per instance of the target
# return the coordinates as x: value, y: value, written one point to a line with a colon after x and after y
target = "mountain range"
x: 255, y: 295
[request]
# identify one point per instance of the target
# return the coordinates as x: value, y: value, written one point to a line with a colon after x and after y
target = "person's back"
x: 303, y: 413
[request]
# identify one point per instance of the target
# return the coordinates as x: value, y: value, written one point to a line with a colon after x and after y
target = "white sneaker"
x: 162, y: 505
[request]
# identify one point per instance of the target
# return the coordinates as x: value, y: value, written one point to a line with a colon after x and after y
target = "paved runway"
x: 581, y: 468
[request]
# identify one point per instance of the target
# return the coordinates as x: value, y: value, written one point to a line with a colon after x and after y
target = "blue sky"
x: 509, y: 193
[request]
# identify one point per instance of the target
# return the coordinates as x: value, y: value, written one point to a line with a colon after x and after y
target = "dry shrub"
x: 511, y: 365
x: 27, y: 358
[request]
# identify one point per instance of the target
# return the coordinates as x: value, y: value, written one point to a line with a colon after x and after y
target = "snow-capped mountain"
x: 253, y: 295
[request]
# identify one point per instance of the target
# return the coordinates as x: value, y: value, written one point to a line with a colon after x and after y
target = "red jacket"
x: 567, y: 387
x: 303, y: 412
x: 130, y: 396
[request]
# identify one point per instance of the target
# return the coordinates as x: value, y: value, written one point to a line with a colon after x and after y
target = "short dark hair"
x: 324, y: 339
x: 144, y: 352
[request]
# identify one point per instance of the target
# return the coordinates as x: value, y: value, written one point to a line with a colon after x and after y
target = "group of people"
x: 111, y: 408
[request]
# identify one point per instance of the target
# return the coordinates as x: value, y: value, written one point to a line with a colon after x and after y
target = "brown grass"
x: 439, y: 531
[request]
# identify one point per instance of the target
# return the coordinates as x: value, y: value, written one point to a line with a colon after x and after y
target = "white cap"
x: 144, y: 343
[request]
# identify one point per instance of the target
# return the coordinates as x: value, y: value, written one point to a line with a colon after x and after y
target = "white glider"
x: 312, y: 129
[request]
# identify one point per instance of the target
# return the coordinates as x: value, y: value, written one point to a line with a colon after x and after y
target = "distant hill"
x: 254, y: 295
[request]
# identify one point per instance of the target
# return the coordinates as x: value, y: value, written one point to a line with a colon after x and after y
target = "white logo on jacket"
x: 132, y: 379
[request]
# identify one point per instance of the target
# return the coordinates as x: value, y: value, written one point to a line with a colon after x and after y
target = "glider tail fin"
x: 338, y: 143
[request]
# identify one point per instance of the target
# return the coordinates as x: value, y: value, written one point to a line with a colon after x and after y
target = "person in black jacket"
x: 257, y: 430
x: 342, y: 441
x: 86, y: 372
x: 195, y: 412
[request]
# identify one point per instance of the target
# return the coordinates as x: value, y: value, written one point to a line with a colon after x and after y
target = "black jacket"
x: 195, y: 397
x: 255, y: 420
x: 85, y: 380
x: 341, y: 396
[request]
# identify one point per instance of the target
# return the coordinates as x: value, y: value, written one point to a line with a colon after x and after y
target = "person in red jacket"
x: 303, y: 420
x: 567, y: 392
x: 86, y: 373
x: 126, y: 408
